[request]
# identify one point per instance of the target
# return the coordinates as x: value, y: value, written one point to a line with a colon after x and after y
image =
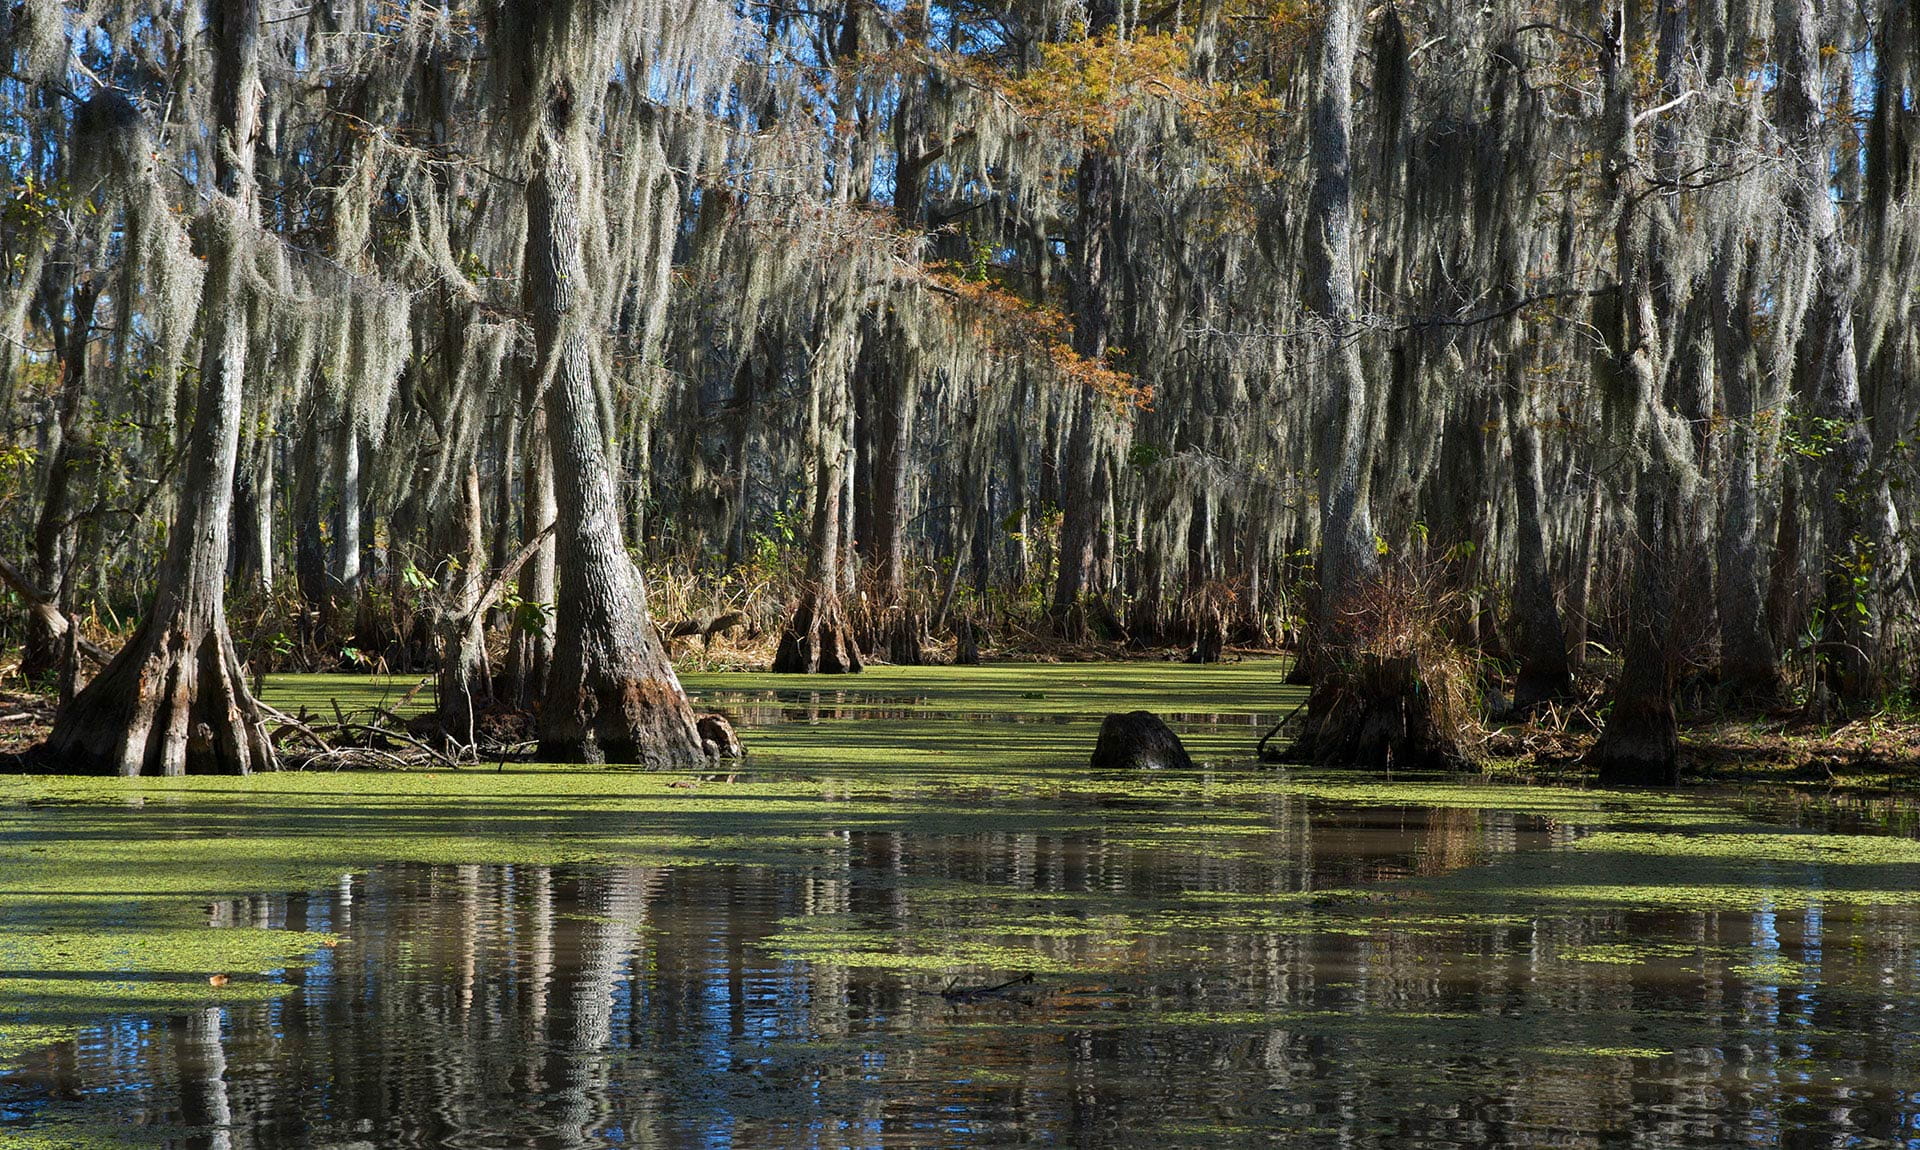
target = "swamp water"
x: 1232, y: 956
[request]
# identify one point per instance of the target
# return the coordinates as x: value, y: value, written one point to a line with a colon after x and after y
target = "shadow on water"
x: 549, y: 958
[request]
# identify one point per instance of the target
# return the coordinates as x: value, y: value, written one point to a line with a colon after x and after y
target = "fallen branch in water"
x: 972, y: 993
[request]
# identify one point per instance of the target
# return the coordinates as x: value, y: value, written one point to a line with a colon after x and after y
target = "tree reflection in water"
x: 670, y: 1005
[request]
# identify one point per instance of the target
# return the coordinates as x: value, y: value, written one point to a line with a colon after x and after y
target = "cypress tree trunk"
x: 1079, y: 511
x: 1540, y: 639
x: 745, y: 406
x: 1347, y: 554
x: 1641, y: 744
x: 346, y: 514
x: 1541, y: 645
x: 1580, y: 582
x: 531, y: 646
x: 175, y: 699
x: 1749, y: 662
x: 54, y: 534
x: 309, y: 549
x: 611, y: 695
x: 1079, y: 515
x: 1089, y: 295
x: 892, y: 447
x: 818, y: 639
x: 464, y: 688
x: 1018, y: 491
x: 898, y: 400
x: 253, y: 519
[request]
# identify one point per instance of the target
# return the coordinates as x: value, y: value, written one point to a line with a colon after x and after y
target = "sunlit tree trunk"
x: 530, y: 646
x: 346, y: 514
x: 55, y: 534
x: 464, y: 688
x: 1347, y: 551
x: 612, y: 696
x: 818, y: 638
x: 175, y: 699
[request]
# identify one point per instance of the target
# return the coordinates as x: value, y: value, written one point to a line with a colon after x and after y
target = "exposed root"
x: 171, y: 703
x: 819, y: 641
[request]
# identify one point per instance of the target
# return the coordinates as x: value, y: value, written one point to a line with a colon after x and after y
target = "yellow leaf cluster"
x: 1007, y: 320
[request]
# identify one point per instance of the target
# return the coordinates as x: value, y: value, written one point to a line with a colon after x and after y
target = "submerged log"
x: 1138, y: 739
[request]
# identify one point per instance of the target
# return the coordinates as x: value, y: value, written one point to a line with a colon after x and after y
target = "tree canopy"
x: 410, y: 332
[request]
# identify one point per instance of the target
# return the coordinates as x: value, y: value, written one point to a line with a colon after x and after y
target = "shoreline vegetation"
x: 384, y: 727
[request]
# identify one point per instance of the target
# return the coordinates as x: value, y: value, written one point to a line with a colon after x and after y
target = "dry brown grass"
x: 1393, y: 687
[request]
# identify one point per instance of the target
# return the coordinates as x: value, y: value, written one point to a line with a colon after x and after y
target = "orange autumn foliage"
x: 1007, y: 320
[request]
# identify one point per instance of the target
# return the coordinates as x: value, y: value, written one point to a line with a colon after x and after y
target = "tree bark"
x: 309, y: 550
x: 818, y: 639
x: 464, y: 687
x: 530, y: 648
x: 54, y: 534
x: 253, y: 518
x: 175, y: 699
x: 1640, y: 744
x: 1347, y: 552
x: 1541, y: 641
x: 611, y: 695
x: 346, y: 515
x: 1090, y: 290
x: 893, y: 445
x: 1749, y: 660
x: 1540, y: 638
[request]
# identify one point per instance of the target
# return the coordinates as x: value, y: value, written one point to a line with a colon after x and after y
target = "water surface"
x: 1226, y: 957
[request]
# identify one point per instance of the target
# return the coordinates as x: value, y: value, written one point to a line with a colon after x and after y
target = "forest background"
x: 1548, y: 362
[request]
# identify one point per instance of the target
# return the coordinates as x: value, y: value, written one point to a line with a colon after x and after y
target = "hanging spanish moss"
x: 535, y: 345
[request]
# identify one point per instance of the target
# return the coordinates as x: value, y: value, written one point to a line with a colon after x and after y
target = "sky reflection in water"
x: 1271, y: 965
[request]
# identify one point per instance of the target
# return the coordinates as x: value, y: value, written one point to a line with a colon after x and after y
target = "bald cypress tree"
x: 611, y: 695
x: 175, y: 699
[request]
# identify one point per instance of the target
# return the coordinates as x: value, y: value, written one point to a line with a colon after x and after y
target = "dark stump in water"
x: 717, y: 738
x: 1383, y: 712
x: 1138, y: 739
x: 1209, y: 637
x: 966, y: 643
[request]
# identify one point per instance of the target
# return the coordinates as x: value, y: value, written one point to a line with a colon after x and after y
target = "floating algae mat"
x: 915, y: 918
